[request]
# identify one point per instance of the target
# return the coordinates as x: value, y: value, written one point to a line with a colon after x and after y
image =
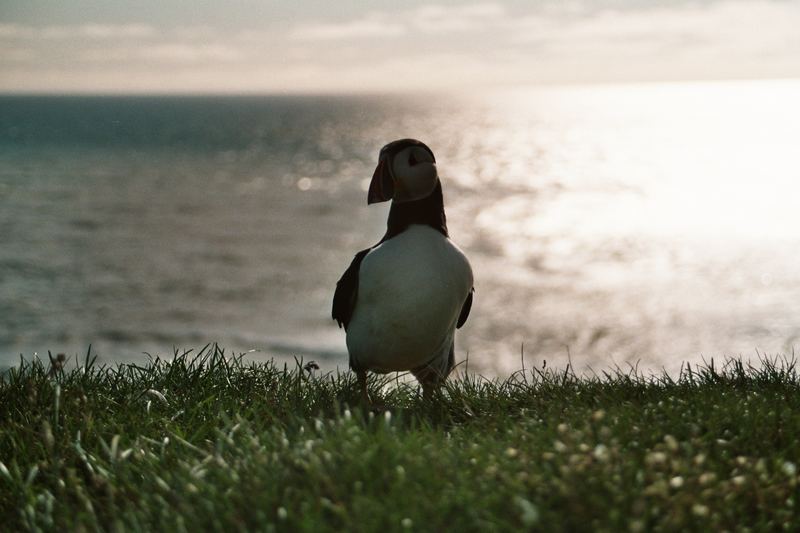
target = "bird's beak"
x: 381, y: 188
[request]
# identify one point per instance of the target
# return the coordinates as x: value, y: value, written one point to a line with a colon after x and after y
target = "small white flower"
x: 282, y: 514
x: 699, y: 509
x: 789, y: 468
x: 676, y: 482
x: 707, y: 477
x: 656, y: 458
x: 601, y: 453
x: 407, y: 523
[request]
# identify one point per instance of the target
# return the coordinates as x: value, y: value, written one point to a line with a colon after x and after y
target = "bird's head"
x: 406, y: 172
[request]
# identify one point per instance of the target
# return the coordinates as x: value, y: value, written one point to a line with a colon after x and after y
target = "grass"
x: 208, y: 442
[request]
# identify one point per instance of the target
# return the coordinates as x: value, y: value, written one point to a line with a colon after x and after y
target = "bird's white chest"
x: 410, y: 292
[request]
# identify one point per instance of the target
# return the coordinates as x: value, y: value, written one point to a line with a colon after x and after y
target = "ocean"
x: 608, y: 226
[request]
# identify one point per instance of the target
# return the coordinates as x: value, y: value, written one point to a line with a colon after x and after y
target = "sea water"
x: 612, y: 225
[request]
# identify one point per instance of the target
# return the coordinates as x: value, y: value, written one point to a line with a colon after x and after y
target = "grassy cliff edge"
x: 207, y: 441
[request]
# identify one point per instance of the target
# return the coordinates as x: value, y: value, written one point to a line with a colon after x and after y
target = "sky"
x: 248, y: 46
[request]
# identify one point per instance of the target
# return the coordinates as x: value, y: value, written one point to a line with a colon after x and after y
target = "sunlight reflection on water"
x: 653, y: 223
x: 618, y: 224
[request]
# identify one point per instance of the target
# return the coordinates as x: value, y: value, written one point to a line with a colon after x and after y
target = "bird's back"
x: 410, y: 292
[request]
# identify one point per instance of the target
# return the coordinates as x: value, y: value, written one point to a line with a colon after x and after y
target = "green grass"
x: 206, y: 441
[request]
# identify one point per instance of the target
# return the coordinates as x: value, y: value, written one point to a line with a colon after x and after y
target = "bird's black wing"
x: 344, y: 299
x: 465, y: 309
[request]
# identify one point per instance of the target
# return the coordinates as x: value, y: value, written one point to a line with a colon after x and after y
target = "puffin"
x: 401, y: 300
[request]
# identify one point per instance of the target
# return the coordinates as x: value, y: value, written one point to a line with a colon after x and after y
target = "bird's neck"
x: 428, y: 211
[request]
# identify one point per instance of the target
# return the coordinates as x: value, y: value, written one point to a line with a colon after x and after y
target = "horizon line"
x: 383, y: 92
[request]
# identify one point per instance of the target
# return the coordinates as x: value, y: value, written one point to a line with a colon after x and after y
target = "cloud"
x: 733, y: 39
x: 581, y: 33
x: 449, y: 19
x: 680, y: 26
x: 432, y: 47
x: 18, y: 55
x: 116, y: 31
x: 168, y: 53
x: 371, y: 26
x: 489, y: 44
x: 90, y: 31
x: 429, y: 19
x: 188, y: 53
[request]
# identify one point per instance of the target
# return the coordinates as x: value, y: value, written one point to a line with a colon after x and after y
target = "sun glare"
x: 673, y: 160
